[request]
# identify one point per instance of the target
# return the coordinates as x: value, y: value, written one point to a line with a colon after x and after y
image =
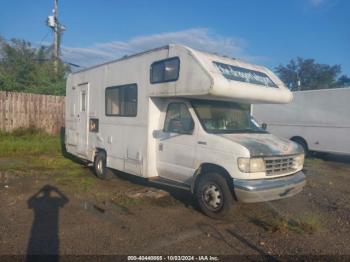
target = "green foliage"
x: 28, y: 142
x: 24, y: 68
x: 311, y: 75
x: 33, y: 152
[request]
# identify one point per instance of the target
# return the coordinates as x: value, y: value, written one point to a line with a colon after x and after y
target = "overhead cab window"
x: 165, y: 70
x: 121, y: 100
x: 241, y: 74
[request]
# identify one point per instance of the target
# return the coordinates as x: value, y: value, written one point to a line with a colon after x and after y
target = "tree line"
x: 306, y: 74
x: 27, y: 68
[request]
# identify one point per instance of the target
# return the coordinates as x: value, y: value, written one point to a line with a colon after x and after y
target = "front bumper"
x: 261, y: 190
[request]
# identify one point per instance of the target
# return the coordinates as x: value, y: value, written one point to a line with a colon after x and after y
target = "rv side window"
x: 165, y: 70
x: 83, y: 101
x: 121, y: 100
x: 178, y: 119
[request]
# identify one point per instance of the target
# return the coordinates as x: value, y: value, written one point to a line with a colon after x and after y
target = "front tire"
x: 101, y: 169
x: 214, y: 196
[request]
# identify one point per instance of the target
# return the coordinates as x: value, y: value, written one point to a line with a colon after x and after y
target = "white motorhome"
x: 316, y: 119
x: 181, y: 117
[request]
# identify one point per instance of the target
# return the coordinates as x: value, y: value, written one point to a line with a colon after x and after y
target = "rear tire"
x: 213, y: 195
x: 101, y: 169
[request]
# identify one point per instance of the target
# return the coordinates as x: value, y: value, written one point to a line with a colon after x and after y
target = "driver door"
x: 177, y: 144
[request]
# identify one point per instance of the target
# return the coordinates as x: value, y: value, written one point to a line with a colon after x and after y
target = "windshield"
x: 225, y: 117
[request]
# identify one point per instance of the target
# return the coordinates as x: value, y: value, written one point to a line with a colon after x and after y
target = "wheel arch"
x: 207, y: 168
x: 300, y: 140
x: 98, y: 150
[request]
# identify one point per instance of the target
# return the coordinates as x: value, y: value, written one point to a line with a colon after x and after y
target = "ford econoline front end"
x: 262, y: 167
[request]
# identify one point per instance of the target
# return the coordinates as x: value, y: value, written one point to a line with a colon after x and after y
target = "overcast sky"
x: 267, y: 32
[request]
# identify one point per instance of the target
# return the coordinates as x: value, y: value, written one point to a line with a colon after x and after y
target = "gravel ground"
x: 40, y: 214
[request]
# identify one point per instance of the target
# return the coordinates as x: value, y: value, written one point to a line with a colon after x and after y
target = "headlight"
x: 251, y: 165
x: 298, y: 161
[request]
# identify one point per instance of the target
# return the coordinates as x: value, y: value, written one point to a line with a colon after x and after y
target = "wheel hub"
x: 212, y: 197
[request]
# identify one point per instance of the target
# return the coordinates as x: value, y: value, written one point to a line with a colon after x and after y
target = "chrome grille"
x: 279, y: 165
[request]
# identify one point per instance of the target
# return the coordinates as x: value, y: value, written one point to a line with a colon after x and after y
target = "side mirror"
x: 157, y: 134
x: 264, y: 126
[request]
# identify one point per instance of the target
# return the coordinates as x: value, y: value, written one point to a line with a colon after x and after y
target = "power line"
x: 44, y: 37
x: 65, y: 62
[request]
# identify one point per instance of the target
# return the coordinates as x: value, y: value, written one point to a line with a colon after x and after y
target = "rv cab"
x: 180, y: 117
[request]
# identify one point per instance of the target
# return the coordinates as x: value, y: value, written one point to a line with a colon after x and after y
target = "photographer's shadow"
x: 44, y: 238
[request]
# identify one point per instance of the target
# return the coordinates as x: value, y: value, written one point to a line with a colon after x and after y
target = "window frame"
x: 165, y: 118
x: 163, y: 61
x: 94, y: 125
x: 121, y: 86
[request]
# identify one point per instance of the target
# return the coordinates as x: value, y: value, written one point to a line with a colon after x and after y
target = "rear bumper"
x: 261, y: 190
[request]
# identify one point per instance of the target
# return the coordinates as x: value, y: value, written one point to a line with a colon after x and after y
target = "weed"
x: 32, y: 151
x: 122, y: 200
x: 28, y: 142
x: 323, y: 168
x: 27, y: 132
x: 302, y: 224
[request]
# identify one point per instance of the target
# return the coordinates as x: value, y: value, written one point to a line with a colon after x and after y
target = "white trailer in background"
x: 319, y: 120
x: 181, y: 117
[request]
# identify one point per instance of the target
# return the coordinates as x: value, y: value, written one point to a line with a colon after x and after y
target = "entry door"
x: 82, y: 130
x: 176, y: 144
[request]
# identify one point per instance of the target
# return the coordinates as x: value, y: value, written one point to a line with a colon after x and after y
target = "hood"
x: 265, y: 144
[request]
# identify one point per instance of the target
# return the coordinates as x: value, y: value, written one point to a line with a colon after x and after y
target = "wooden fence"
x: 25, y: 110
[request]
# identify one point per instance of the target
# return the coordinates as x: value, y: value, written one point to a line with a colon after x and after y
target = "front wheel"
x: 213, y: 195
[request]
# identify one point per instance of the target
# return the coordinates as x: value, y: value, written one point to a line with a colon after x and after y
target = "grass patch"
x: 31, y: 151
x: 22, y: 142
x: 302, y: 224
x: 78, y: 178
x: 315, y: 166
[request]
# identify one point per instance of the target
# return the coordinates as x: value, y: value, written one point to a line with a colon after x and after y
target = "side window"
x: 83, y: 101
x: 178, y: 119
x: 121, y: 100
x: 165, y: 70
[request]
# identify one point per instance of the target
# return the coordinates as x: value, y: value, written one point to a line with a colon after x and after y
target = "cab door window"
x: 178, y: 119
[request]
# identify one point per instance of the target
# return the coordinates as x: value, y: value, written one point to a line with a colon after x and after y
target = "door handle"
x: 160, y: 147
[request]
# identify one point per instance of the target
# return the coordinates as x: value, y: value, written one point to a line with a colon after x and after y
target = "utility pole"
x: 298, y: 82
x: 56, y: 38
x: 57, y: 29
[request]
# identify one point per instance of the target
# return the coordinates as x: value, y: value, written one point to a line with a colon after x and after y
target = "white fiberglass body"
x: 170, y: 113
